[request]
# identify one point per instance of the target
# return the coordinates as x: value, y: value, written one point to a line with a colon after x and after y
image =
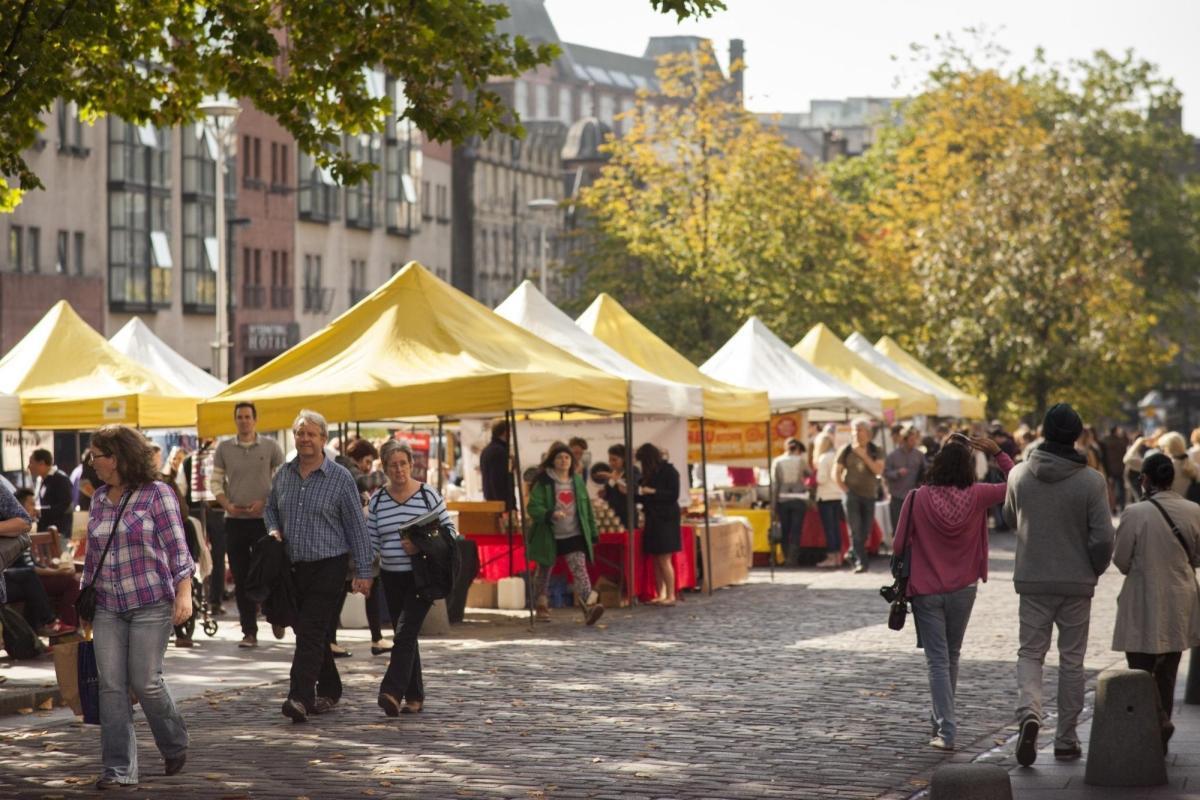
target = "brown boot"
x: 541, y: 609
x: 592, y: 608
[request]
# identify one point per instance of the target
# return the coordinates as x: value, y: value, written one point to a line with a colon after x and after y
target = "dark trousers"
x: 831, y: 520
x: 894, y: 507
x: 1164, y: 667
x: 372, y: 603
x: 240, y: 535
x: 214, y: 525
x: 24, y: 586
x: 791, y: 525
x: 407, y: 610
x: 319, y: 585
x: 1117, y: 484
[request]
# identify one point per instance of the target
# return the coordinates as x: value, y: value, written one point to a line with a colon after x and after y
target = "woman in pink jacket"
x: 944, y: 526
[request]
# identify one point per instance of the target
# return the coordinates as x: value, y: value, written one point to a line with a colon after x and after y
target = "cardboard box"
x: 478, y: 516
x: 611, y: 595
x: 481, y: 594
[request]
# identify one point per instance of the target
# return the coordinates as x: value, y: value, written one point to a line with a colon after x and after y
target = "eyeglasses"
x: 90, y: 457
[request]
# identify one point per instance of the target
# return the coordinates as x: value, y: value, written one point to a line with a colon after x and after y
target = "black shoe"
x: 323, y: 704
x: 341, y: 652
x: 389, y: 704
x: 111, y: 783
x: 278, y: 631
x: 175, y: 765
x: 295, y: 709
x: 1068, y: 753
x: 1027, y: 741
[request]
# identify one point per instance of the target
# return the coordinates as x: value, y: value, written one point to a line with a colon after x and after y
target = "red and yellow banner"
x: 743, y: 443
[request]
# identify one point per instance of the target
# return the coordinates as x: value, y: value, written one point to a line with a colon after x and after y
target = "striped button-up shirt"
x: 149, y: 555
x: 319, y: 516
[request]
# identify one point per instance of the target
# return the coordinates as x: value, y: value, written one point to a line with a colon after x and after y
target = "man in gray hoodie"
x: 1059, y: 509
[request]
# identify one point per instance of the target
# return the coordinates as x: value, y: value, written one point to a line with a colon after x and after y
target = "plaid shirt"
x: 319, y: 516
x: 148, y: 557
x: 9, y: 508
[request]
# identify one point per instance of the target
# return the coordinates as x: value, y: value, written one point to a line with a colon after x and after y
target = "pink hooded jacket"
x: 948, y: 531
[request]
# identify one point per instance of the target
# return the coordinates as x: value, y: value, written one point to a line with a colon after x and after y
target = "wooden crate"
x: 478, y: 516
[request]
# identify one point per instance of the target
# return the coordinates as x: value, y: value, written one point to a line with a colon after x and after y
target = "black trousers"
x: 791, y: 525
x: 1164, y: 667
x: 240, y: 535
x: 373, y: 607
x: 407, y: 610
x: 214, y: 524
x: 319, y: 585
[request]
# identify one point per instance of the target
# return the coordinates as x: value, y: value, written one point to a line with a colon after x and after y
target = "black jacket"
x: 497, y: 482
x: 269, y: 581
x: 662, y: 507
x: 56, y: 503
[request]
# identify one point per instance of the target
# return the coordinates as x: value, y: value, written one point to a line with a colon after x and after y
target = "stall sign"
x: 420, y: 443
x: 14, y: 441
x: 743, y: 442
x: 114, y: 410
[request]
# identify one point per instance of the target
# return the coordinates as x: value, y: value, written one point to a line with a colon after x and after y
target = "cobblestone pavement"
x: 788, y: 689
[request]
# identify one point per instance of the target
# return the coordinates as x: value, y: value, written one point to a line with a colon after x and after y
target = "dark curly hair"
x: 547, y: 464
x: 954, y: 465
x: 130, y: 451
x: 651, y: 459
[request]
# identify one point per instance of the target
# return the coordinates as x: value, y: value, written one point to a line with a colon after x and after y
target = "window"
x: 541, y: 101
x: 607, y: 109
x: 281, y: 292
x: 283, y: 165
x: 258, y: 160
x: 139, y: 214
x: 78, y: 252
x: 316, y: 297
x: 70, y: 129
x: 35, y: 249
x: 586, y: 108
x: 62, y: 253
x: 426, y: 201
x: 520, y: 97
x: 274, y: 163
x: 564, y: 105
x: 358, y: 280
x: 360, y: 199
x: 317, y: 199
x: 402, y: 154
x: 200, y: 248
x: 443, y: 203
x: 16, y: 247
x: 247, y: 175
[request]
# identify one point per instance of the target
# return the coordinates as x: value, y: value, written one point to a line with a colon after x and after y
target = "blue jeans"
x: 860, y: 514
x: 129, y: 656
x: 941, y: 624
x: 831, y: 521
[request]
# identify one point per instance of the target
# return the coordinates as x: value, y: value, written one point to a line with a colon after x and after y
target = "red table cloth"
x: 610, y: 559
x: 813, y: 533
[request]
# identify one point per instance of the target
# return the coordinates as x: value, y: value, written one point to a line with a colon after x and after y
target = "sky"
x: 801, y: 50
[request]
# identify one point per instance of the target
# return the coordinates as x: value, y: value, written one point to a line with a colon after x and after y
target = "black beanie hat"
x: 1062, y: 424
x: 1159, y: 469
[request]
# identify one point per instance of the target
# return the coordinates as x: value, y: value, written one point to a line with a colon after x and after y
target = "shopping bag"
x: 89, y: 683
x: 66, y: 669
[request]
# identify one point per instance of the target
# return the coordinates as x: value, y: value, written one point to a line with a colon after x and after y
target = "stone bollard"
x: 1125, y: 748
x: 970, y: 782
x: 437, y: 621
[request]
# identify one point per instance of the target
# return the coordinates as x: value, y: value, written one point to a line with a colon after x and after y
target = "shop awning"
x: 648, y: 393
x: 947, y: 405
x: 755, y: 357
x: 970, y: 406
x: 68, y: 377
x: 609, y: 322
x: 822, y: 348
x: 138, y: 342
x: 415, y: 347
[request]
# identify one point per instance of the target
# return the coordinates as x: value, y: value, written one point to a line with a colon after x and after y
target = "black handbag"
x: 436, y: 564
x: 85, y: 604
x: 896, y: 594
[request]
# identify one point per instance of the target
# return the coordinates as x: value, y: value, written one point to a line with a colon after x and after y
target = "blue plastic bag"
x: 89, y: 683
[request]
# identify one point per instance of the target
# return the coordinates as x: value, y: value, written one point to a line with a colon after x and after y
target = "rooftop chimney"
x: 737, y: 60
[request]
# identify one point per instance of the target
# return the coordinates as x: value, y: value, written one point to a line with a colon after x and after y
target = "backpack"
x: 19, y: 639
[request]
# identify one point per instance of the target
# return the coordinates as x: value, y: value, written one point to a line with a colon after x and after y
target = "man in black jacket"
x: 493, y: 465
x: 55, y: 496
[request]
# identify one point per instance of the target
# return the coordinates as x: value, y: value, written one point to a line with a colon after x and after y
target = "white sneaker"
x: 940, y: 743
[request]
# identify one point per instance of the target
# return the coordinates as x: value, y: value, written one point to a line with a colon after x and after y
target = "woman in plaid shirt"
x: 143, y: 588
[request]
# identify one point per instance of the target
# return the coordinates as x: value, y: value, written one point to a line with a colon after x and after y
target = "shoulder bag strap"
x: 113, y: 534
x: 1174, y: 529
x: 425, y: 498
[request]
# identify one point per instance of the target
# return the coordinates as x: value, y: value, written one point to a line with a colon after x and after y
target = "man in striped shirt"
x: 314, y: 510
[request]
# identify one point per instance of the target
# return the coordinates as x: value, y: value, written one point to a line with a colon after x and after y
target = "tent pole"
x: 439, y: 456
x: 516, y: 450
x: 21, y: 449
x: 358, y: 430
x: 511, y: 514
x: 630, y: 511
x: 771, y: 507
x: 707, y: 531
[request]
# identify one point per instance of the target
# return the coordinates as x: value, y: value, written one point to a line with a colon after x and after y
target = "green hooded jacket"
x: 539, y: 542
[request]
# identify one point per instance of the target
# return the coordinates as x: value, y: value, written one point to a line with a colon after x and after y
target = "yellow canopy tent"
x: 68, y: 377
x: 972, y: 407
x: 415, y: 347
x: 824, y: 350
x: 609, y: 322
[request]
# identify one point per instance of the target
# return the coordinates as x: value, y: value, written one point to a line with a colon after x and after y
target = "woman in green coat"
x: 561, y: 523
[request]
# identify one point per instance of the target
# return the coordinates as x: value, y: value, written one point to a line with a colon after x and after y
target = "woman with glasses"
x: 143, y: 587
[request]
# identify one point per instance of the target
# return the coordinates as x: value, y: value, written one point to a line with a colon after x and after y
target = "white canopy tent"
x: 756, y: 358
x: 139, y: 343
x: 947, y: 406
x: 648, y: 393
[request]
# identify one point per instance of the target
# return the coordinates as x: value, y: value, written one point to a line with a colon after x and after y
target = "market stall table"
x: 610, y: 556
x: 732, y: 556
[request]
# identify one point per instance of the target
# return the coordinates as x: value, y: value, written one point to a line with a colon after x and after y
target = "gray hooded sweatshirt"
x: 1059, y: 509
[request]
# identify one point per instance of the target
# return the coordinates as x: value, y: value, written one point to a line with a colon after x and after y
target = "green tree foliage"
x: 301, y: 61
x: 702, y: 216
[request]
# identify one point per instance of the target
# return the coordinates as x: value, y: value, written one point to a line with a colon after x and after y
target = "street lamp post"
x: 219, y: 118
x: 542, y: 203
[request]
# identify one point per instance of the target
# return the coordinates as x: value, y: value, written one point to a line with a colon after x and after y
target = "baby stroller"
x: 201, y: 609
